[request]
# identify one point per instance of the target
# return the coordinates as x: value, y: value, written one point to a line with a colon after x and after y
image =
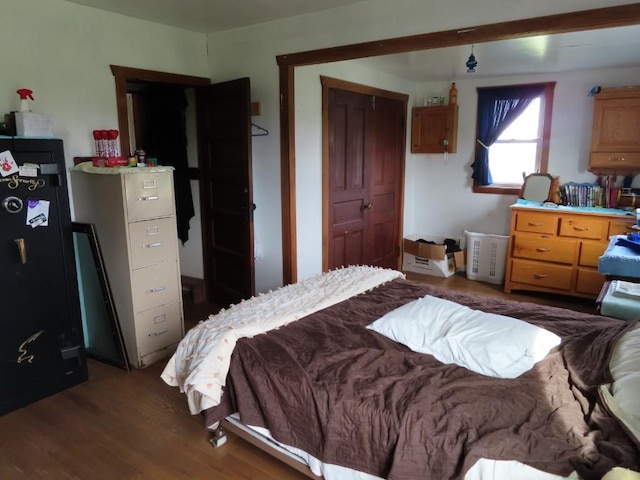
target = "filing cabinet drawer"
x: 154, y: 286
x: 535, y: 222
x: 584, y: 227
x: 590, y: 252
x: 148, y: 195
x: 541, y: 274
x: 548, y: 249
x: 152, y: 241
x: 589, y: 281
x: 158, y: 328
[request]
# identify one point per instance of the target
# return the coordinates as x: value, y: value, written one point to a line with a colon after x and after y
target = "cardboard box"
x: 430, y: 259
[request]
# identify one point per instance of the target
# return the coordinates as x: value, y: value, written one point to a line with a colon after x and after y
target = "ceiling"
x: 208, y: 16
x: 588, y: 50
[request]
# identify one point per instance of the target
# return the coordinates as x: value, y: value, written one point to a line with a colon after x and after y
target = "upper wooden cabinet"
x: 615, y: 137
x: 434, y: 129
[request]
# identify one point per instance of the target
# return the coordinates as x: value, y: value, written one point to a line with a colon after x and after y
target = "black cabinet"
x: 41, y: 341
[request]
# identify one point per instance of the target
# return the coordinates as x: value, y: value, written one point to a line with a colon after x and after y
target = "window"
x: 512, y: 136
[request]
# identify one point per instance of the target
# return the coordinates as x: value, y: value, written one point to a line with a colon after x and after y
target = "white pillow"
x: 489, y: 344
x: 622, y: 396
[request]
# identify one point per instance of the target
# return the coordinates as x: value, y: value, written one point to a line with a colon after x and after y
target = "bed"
x: 327, y: 371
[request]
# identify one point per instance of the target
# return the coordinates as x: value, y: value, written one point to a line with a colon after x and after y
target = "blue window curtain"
x: 498, y: 107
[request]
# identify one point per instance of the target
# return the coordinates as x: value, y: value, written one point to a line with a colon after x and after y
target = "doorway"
x: 228, y: 272
x: 364, y: 131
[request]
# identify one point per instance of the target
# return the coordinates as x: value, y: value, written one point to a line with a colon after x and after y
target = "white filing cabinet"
x: 133, y: 210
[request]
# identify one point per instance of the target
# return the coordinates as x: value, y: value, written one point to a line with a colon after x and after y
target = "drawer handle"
x: 156, y: 290
x: 540, y: 276
x: 153, y: 245
x: 533, y: 224
x: 146, y: 199
x: 581, y: 229
x: 542, y: 250
x: 616, y: 159
x: 161, y: 332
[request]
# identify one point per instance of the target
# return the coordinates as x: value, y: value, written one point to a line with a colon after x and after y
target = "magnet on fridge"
x: 8, y: 165
x: 37, y: 213
x: 29, y: 170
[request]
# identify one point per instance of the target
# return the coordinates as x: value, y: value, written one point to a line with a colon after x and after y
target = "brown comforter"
x: 352, y: 397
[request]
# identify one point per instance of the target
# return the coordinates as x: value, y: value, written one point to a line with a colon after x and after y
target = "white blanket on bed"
x: 201, y: 362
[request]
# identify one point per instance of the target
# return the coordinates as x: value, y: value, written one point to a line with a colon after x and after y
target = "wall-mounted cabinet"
x: 615, y: 136
x: 434, y: 129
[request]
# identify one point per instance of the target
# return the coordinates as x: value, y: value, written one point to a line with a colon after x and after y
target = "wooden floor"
x: 120, y: 426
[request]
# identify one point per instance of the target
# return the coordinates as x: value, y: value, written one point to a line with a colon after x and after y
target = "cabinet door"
x: 432, y: 127
x: 615, y: 125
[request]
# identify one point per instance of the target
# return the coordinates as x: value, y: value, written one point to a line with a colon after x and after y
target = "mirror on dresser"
x: 537, y: 187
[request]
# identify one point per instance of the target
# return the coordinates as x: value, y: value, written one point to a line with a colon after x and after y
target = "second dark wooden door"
x: 366, y: 153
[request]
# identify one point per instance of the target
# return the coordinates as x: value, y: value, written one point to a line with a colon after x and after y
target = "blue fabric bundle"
x: 632, y: 241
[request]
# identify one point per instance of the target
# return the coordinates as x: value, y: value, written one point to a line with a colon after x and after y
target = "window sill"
x: 498, y: 189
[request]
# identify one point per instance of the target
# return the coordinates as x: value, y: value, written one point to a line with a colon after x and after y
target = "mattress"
x: 619, y: 261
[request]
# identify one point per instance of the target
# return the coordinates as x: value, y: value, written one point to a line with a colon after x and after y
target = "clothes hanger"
x: 263, y: 131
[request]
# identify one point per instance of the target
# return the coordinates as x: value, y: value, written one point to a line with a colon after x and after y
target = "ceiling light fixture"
x: 471, y: 62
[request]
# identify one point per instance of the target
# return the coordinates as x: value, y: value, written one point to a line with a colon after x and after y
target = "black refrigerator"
x: 41, y: 341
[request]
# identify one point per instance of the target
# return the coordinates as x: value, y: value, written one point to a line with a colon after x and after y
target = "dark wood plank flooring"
x: 121, y: 425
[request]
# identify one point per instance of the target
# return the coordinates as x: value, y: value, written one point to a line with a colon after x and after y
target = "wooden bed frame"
x: 218, y: 438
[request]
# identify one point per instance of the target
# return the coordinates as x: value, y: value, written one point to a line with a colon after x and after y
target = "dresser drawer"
x: 589, y: 281
x: 158, y: 328
x: 622, y: 226
x: 584, y: 227
x: 152, y: 241
x: 154, y: 286
x: 590, y: 252
x: 541, y: 274
x: 149, y: 195
x: 548, y: 249
x: 535, y: 222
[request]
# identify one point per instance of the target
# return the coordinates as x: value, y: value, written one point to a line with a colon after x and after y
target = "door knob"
x: 367, y: 206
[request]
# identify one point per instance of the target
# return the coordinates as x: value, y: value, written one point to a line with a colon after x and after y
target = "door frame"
x: 122, y: 75
x: 329, y: 83
x: 606, y: 17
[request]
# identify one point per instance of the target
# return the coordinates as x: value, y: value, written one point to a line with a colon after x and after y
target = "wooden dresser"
x: 134, y: 215
x: 557, y: 250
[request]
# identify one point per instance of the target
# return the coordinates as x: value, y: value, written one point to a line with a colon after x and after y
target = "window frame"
x: 542, y: 158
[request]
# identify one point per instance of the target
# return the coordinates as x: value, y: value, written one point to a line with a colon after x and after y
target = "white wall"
x: 62, y: 51
x: 251, y: 52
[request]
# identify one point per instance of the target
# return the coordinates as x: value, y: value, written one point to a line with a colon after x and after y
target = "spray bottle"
x: 25, y: 96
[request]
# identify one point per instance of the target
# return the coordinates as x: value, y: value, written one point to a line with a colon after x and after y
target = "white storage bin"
x: 486, y: 257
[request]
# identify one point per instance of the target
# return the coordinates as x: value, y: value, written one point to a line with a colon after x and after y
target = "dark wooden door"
x: 366, y: 152
x: 350, y: 125
x: 224, y: 125
x: 387, y: 168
